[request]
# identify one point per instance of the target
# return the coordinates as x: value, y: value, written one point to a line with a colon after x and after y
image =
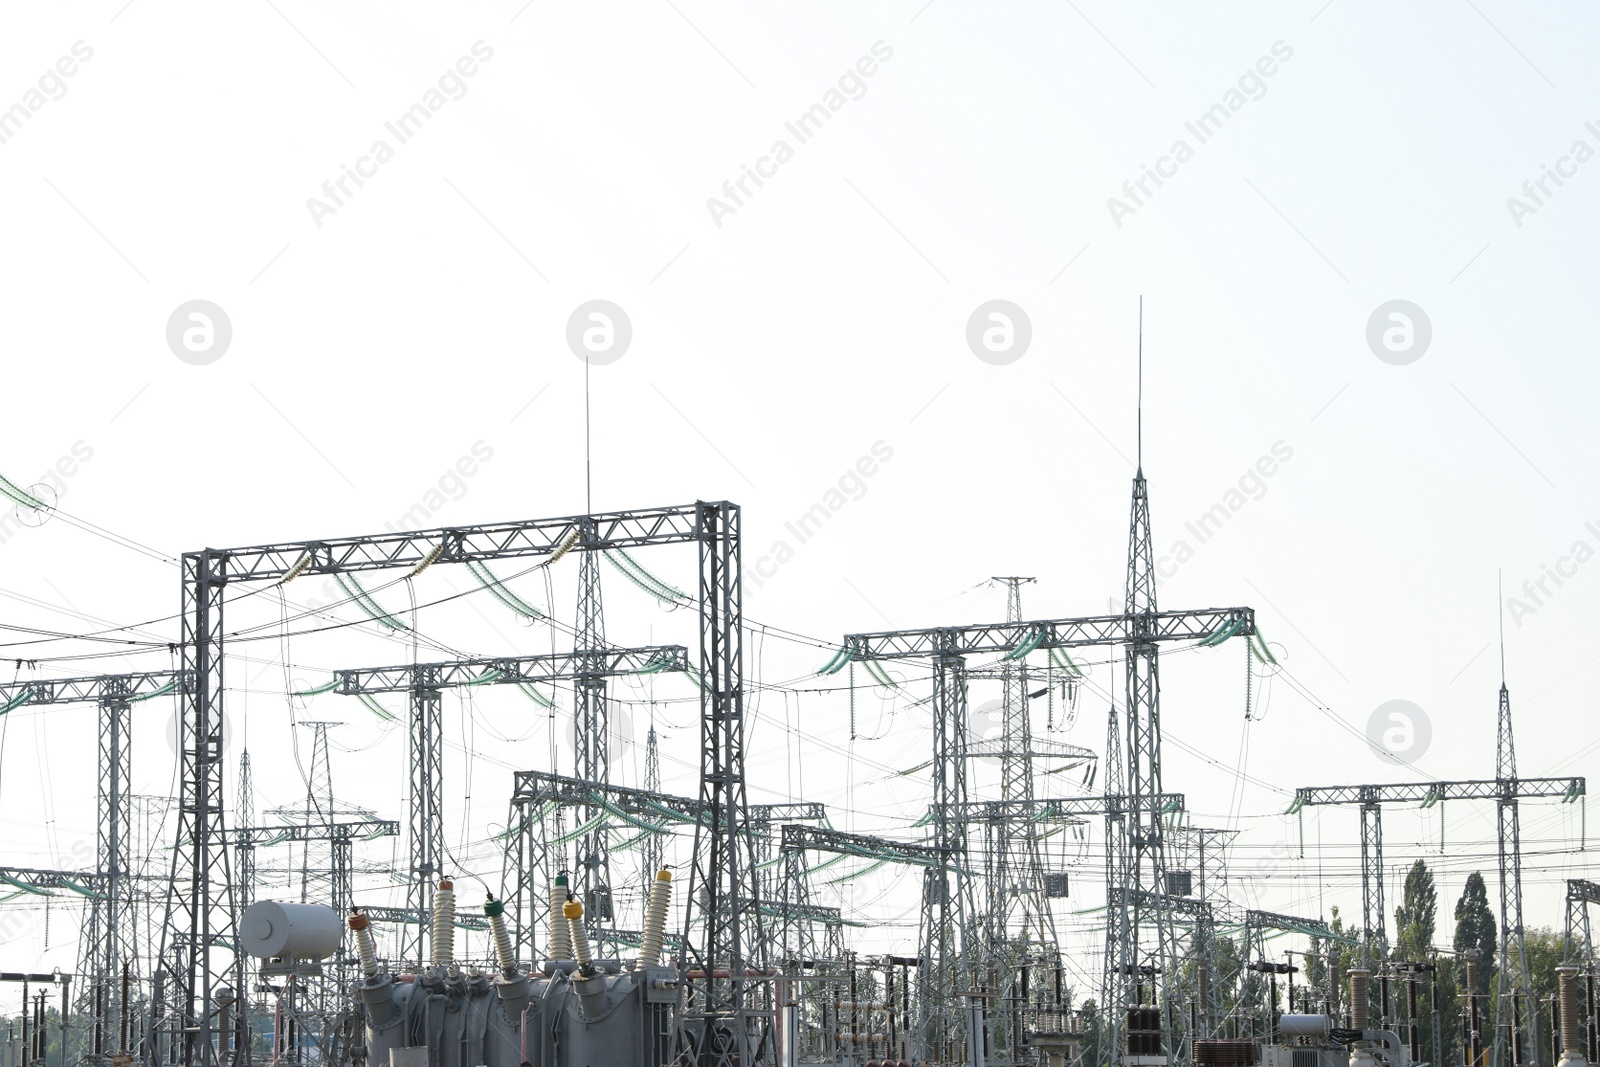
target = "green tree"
x: 1476, y: 929
x: 1414, y: 919
x: 1414, y: 922
x: 1092, y: 1030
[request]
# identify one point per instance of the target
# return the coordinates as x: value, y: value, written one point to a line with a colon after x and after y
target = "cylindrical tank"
x: 273, y: 929
x: 1316, y: 1026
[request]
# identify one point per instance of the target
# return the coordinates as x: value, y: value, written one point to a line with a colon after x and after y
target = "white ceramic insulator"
x: 560, y: 933
x: 368, y: 953
x: 580, y: 943
x: 444, y: 927
x: 655, y: 922
x: 504, y: 951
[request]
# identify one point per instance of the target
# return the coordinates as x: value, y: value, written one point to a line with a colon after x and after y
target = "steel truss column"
x: 199, y: 929
x: 1374, y: 935
x: 525, y: 906
x: 946, y: 968
x: 591, y: 734
x: 426, y: 824
x: 799, y: 933
x: 110, y: 918
x: 731, y: 1019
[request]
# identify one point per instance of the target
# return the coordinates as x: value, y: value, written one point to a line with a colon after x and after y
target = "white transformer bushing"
x: 272, y: 929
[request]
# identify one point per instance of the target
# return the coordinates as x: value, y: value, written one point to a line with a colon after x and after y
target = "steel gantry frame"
x: 799, y: 914
x: 1134, y: 834
x: 650, y: 810
x: 311, y: 1006
x: 424, y: 684
x: 339, y: 834
x: 1577, y: 945
x: 1370, y: 799
x: 110, y: 941
x: 1256, y: 923
x: 199, y: 928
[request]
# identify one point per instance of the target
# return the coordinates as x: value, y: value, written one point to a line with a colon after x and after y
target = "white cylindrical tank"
x: 273, y: 929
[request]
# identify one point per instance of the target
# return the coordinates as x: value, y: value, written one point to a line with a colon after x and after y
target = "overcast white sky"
x: 1356, y: 155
